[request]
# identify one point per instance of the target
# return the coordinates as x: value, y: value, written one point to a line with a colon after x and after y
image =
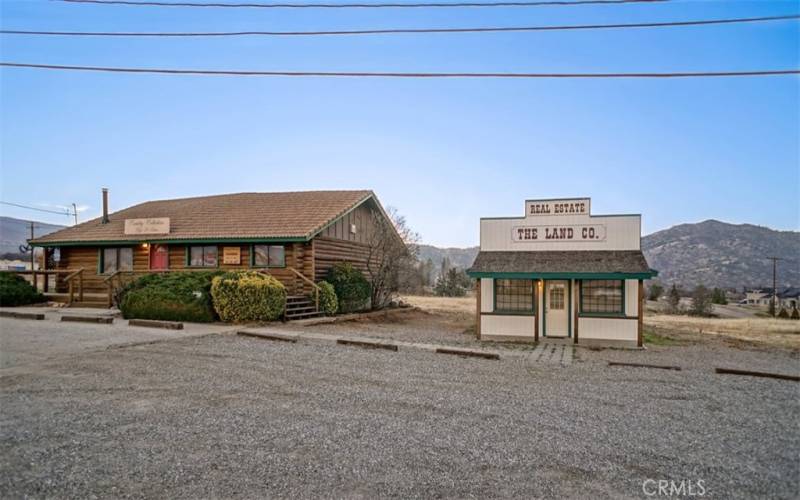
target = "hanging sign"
x: 231, y: 255
x: 158, y: 225
x: 578, y: 232
x: 56, y: 254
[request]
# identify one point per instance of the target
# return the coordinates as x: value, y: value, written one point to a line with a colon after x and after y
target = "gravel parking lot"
x: 226, y: 416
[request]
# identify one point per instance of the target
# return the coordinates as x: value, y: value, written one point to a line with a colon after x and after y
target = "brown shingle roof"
x: 293, y: 215
x: 564, y: 261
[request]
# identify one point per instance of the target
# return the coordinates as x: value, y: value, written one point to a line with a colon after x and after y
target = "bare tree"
x: 392, y: 255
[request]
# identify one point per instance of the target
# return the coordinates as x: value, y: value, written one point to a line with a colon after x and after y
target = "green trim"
x: 501, y: 312
x: 568, y: 299
x: 188, y: 257
x: 509, y: 313
x: 565, y: 276
x: 198, y: 241
x: 622, y: 314
x: 268, y: 266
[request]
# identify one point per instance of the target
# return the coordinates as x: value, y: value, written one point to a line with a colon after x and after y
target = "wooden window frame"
x: 202, y: 266
x: 269, y: 261
x: 101, y: 259
x: 514, y: 312
x: 602, y: 314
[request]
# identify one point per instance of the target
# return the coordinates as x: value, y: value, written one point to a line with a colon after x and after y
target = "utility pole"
x: 774, y: 284
x: 75, y: 213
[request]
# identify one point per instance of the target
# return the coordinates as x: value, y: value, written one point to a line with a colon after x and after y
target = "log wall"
x: 298, y: 255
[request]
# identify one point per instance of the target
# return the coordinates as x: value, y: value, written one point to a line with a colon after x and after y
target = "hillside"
x: 15, y: 232
x: 713, y: 253
x: 459, y: 257
x: 716, y: 253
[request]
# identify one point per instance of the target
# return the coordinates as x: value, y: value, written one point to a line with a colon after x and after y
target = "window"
x: 269, y: 256
x: 203, y: 256
x: 602, y: 296
x: 117, y: 259
x: 556, y: 297
x: 513, y: 296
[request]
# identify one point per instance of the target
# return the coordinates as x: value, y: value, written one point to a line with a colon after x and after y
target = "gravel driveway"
x: 226, y: 416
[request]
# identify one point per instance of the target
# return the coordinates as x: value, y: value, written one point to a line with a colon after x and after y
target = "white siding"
x: 622, y: 233
x: 631, y: 298
x: 608, y: 329
x: 518, y: 326
x: 487, y: 295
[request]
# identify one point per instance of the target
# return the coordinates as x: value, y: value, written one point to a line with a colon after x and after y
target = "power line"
x: 406, y: 30
x: 361, y: 5
x: 66, y: 212
x: 369, y: 74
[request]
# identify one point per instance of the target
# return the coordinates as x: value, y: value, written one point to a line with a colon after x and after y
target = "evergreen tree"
x: 654, y: 291
x: 674, y: 300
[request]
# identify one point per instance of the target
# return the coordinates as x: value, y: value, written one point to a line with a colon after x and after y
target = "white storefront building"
x: 561, y: 272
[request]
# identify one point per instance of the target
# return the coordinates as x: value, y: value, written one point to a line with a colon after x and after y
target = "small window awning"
x: 562, y: 264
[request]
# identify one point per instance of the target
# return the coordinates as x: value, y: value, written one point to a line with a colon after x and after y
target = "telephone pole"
x: 774, y: 283
x: 75, y: 213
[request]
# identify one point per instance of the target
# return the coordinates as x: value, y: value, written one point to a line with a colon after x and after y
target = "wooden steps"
x: 300, y: 307
x: 93, y: 300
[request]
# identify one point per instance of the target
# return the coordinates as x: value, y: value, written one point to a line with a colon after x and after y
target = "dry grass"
x: 777, y: 332
x: 447, y: 305
x: 459, y: 313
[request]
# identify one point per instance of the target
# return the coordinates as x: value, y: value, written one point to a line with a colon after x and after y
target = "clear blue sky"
x: 444, y: 152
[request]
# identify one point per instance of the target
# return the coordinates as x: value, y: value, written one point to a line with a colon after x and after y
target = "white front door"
x: 556, y: 312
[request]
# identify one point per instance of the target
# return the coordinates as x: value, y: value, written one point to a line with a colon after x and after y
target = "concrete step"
x: 93, y: 304
x: 303, y: 315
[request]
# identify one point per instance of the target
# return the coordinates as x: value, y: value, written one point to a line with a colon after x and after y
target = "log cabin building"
x: 294, y: 236
x: 559, y: 272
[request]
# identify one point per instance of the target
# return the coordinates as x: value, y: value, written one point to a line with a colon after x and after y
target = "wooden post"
x: 44, y: 268
x: 536, y: 310
x: 478, y: 308
x: 577, y: 293
x: 80, y: 286
x: 639, y: 333
x: 71, y: 294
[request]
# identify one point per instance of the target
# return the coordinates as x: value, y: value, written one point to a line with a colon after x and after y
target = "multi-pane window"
x: 117, y: 259
x: 557, y: 297
x: 205, y: 256
x: 602, y: 296
x: 513, y: 295
x: 269, y: 256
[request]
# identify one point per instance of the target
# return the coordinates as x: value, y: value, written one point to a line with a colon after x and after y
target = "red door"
x: 159, y: 257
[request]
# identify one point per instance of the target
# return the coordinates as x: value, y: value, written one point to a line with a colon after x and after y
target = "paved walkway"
x: 561, y: 354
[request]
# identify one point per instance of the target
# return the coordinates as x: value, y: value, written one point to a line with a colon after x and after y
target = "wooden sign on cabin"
x: 232, y: 255
x: 158, y: 225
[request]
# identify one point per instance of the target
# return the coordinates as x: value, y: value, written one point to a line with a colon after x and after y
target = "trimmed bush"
x: 15, y: 291
x: 248, y: 296
x: 352, y: 288
x: 171, y: 297
x: 328, y: 302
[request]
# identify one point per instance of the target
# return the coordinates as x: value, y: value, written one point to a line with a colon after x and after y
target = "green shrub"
x: 248, y: 296
x: 15, y: 291
x: 795, y: 313
x: 171, y: 296
x: 352, y: 288
x: 328, y: 302
x: 783, y: 313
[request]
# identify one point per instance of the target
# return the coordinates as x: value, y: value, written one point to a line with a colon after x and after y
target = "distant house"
x: 788, y: 297
x: 296, y: 237
x: 757, y: 297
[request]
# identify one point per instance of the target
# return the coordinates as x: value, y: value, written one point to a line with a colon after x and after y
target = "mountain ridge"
x: 710, y: 252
